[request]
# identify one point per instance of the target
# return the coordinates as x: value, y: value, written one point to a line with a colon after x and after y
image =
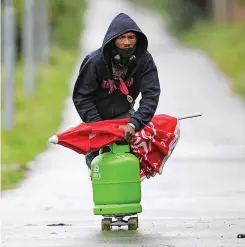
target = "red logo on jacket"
x: 110, y: 84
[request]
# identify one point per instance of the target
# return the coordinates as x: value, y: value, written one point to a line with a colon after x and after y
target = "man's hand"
x: 129, y: 132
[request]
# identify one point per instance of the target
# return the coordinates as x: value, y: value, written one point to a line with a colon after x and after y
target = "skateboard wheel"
x: 135, y: 218
x: 133, y: 223
x: 106, y: 224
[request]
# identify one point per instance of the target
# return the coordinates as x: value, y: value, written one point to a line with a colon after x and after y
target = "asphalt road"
x: 199, y: 200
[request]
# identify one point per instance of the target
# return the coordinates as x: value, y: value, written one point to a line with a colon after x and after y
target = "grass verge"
x: 37, y: 118
x: 225, y: 44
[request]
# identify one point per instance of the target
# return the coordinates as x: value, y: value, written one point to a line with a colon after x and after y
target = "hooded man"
x: 111, y: 78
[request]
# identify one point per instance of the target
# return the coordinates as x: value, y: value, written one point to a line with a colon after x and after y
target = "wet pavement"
x: 199, y: 200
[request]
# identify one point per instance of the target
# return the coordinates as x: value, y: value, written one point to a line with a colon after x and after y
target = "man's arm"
x: 84, y: 91
x: 150, y: 89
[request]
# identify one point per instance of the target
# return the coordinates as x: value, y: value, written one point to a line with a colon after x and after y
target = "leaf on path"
x: 59, y: 224
x: 241, y: 236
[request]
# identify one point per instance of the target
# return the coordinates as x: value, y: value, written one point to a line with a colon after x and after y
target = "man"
x: 111, y: 78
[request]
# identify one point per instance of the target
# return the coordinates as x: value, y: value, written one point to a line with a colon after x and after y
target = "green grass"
x: 225, y: 44
x: 36, y: 118
x: 39, y: 117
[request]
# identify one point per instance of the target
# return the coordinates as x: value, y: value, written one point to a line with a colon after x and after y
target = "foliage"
x: 225, y: 45
x: 181, y: 15
x: 240, y: 1
x: 39, y: 117
x: 36, y: 118
x: 65, y: 20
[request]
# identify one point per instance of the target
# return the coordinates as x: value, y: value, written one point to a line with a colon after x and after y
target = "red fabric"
x: 152, y: 145
x: 123, y: 87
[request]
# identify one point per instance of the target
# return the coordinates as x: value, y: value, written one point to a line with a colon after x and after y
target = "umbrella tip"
x: 53, y: 139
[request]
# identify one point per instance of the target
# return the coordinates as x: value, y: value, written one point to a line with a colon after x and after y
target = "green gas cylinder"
x: 116, y: 182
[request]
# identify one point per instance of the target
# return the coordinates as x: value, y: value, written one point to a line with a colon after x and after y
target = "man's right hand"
x: 129, y: 132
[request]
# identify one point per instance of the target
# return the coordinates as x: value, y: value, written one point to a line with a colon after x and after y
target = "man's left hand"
x: 129, y: 132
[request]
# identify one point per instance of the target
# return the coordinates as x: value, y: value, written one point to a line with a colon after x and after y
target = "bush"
x: 188, y: 20
x: 182, y: 14
x: 240, y: 1
x: 37, y: 118
x: 225, y: 45
x: 65, y: 20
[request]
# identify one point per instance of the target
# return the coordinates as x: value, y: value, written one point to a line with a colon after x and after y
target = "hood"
x: 122, y: 23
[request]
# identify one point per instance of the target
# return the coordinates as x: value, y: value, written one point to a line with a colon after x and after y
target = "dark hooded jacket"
x: 96, y: 94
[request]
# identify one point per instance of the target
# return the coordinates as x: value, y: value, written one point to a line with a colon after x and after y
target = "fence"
x: 229, y: 11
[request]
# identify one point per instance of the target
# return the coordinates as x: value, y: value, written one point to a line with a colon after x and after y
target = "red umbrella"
x: 152, y: 145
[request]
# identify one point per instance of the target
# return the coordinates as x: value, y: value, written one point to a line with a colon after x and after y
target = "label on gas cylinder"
x: 96, y: 173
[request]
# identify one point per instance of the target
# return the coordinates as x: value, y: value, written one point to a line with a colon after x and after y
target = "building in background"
x: 228, y: 11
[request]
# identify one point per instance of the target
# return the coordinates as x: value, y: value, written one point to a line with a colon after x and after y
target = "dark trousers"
x: 91, y: 155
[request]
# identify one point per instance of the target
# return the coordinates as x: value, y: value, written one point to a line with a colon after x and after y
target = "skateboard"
x: 119, y: 220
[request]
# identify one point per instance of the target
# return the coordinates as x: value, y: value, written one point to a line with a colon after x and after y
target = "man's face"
x: 126, y: 40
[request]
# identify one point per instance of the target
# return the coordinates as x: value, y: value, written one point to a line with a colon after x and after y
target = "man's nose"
x: 126, y: 42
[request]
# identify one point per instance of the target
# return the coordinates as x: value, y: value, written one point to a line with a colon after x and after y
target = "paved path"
x: 200, y: 197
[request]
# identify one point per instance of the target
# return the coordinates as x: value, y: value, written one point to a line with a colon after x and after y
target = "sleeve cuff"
x: 135, y: 123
